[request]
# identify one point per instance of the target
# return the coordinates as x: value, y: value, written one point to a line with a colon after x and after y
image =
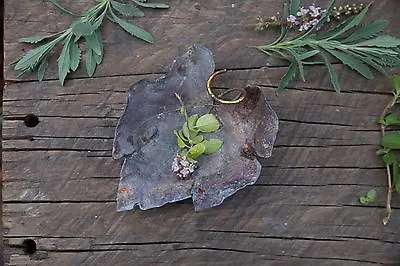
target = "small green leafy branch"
x: 86, y: 27
x: 360, y: 49
x: 390, y: 143
x: 190, y: 138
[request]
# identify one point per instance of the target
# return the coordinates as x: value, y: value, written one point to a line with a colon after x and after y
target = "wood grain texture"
x: 60, y: 180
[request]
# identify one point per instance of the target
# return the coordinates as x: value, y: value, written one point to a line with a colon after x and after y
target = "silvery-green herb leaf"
x: 62, y: 9
x: 64, y: 60
x: 37, y: 38
x: 31, y: 59
x: 42, y: 69
x: 92, y: 42
x: 151, y: 5
x: 332, y: 73
x: 367, y: 31
x: 90, y: 62
x: 381, y: 41
x: 75, y: 55
x: 352, y: 62
x: 289, y: 75
x: 127, y: 9
x: 134, y: 30
x: 82, y: 29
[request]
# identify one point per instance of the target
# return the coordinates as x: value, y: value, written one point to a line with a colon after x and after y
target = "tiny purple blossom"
x: 182, y: 167
x: 292, y: 19
x: 184, y: 163
x: 303, y: 11
x: 185, y: 172
x: 191, y: 168
x: 313, y: 22
x: 175, y: 167
x: 314, y: 11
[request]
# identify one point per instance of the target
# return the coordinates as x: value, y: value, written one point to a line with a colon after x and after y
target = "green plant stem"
x: 384, y: 113
x: 184, y: 113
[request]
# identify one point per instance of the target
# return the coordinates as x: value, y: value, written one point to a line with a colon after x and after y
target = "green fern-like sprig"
x: 360, y: 48
x: 87, y: 27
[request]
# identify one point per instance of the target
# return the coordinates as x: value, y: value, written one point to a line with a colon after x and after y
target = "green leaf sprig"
x: 369, y: 198
x: 359, y: 48
x: 389, y: 144
x: 190, y: 138
x: 85, y: 27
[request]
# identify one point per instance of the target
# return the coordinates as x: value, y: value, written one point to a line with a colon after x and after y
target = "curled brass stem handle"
x: 218, y: 98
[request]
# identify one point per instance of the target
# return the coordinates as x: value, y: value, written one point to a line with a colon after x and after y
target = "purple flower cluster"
x: 182, y: 167
x: 306, y: 18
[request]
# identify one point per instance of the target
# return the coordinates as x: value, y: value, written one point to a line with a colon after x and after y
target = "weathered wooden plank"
x: 200, y: 256
x: 223, y: 26
x: 274, y: 230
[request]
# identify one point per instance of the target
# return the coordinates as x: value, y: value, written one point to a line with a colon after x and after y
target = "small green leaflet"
x: 207, y: 123
x: 212, y: 145
x: 396, y: 84
x: 179, y: 140
x: 369, y: 198
x: 187, y: 132
x: 192, y: 121
x: 391, y: 141
x: 390, y: 120
x: 196, y: 150
x: 389, y: 158
x: 197, y: 139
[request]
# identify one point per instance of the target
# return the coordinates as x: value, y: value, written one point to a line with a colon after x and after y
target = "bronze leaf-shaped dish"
x: 144, y: 138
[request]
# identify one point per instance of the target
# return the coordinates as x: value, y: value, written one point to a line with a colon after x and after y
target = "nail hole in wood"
x: 29, y: 246
x: 31, y: 120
